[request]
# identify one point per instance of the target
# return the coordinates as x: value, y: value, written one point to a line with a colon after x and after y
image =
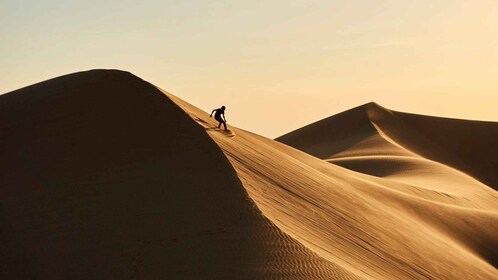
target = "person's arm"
x: 212, y: 113
x: 225, y: 118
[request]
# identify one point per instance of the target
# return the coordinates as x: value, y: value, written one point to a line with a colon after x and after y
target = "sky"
x: 276, y: 65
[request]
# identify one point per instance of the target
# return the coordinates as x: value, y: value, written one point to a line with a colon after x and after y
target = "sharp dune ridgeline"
x: 106, y: 176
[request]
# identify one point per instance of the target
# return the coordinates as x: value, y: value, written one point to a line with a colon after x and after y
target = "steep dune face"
x: 376, y: 228
x: 472, y: 142
x: 103, y: 177
x: 374, y: 140
x: 335, y: 134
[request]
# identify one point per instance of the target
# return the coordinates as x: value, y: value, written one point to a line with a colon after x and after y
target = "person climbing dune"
x: 218, y: 113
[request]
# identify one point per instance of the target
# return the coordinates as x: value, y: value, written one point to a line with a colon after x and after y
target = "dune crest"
x: 376, y: 228
x: 369, y: 132
x: 105, y: 176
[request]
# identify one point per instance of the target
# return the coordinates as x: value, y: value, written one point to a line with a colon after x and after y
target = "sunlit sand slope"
x: 411, y: 226
x: 106, y: 177
x: 473, y: 143
x: 374, y: 140
x: 103, y: 177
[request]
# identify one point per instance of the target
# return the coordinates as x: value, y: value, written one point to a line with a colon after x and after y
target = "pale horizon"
x: 276, y: 66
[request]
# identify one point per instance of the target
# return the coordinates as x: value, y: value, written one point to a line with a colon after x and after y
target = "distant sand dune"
x: 104, y: 176
x: 370, y: 130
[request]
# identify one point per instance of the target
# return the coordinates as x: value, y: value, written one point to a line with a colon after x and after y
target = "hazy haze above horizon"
x: 276, y: 65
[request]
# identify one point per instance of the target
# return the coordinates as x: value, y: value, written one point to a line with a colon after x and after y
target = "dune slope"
x: 376, y: 228
x: 103, y: 177
x: 472, y: 142
x: 375, y: 136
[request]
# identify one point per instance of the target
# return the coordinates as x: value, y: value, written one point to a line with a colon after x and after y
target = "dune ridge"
x: 377, y: 228
x: 111, y: 177
x: 372, y: 130
x: 103, y: 177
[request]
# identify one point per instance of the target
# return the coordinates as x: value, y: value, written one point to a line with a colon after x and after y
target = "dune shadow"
x: 200, y: 120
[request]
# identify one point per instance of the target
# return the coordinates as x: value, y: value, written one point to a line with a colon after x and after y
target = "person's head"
x: 223, y: 108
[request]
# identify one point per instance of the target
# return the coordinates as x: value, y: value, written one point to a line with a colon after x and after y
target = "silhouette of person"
x: 217, y: 116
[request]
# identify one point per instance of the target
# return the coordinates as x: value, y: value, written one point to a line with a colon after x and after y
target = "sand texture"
x: 105, y: 176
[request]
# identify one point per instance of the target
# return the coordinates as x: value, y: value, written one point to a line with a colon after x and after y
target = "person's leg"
x: 225, y: 125
x: 220, y: 120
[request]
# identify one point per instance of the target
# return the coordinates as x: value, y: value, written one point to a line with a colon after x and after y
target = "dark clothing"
x: 217, y: 116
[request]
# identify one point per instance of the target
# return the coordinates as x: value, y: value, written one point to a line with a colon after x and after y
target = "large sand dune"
x: 106, y: 177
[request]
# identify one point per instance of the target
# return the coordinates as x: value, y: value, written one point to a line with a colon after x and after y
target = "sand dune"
x: 105, y: 176
x: 371, y: 130
x: 376, y: 228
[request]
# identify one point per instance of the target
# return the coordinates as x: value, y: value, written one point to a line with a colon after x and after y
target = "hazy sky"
x: 276, y: 65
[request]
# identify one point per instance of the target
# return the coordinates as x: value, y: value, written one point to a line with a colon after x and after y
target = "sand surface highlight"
x: 416, y: 219
x: 106, y: 177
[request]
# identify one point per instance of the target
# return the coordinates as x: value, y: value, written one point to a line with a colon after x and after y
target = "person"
x: 217, y: 116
